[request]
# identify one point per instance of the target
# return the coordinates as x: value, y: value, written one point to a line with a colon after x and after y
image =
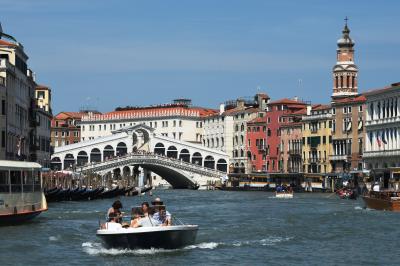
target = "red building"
x: 275, y: 119
x: 256, y: 136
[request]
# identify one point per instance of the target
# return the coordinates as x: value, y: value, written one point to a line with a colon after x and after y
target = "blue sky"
x: 116, y: 53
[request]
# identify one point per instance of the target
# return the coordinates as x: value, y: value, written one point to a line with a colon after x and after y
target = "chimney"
x: 221, y: 108
x: 240, y: 103
x: 309, y: 107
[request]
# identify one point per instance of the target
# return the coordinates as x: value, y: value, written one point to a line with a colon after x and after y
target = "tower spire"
x: 345, y: 71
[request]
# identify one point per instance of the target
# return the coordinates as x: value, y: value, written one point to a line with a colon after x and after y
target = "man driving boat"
x: 162, y: 216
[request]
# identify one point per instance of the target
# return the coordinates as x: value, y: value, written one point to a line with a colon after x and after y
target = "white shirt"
x: 113, y: 226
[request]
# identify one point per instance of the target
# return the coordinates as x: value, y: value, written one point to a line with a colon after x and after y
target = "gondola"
x: 109, y: 193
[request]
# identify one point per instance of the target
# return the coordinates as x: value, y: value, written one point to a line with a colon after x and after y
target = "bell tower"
x: 345, y: 71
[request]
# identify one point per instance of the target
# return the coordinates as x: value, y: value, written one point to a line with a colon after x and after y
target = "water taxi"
x: 21, y: 193
x: 383, y: 200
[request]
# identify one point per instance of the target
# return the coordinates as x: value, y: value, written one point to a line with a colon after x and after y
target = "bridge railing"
x: 146, y: 155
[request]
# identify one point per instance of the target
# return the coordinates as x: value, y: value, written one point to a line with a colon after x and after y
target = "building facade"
x: 275, y: 116
x: 382, y: 146
x: 317, y: 140
x: 291, y: 142
x: 65, y: 128
x: 178, y: 120
x: 17, y: 84
x: 227, y: 130
x: 256, y: 139
x: 42, y: 132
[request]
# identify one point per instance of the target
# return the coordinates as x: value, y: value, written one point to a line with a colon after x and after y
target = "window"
x: 3, y: 107
x: 334, y: 110
x: 360, y: 108
x: 3, y: 139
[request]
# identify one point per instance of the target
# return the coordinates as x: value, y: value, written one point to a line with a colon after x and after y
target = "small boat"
x: 165, y: 237
x: 383, y: 200
x: 284, y: 194
x: 347, y: 193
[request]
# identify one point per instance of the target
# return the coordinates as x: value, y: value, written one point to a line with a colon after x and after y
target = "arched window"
x: 348, y: 81
x: 341, y: 81
x: 336, y: 81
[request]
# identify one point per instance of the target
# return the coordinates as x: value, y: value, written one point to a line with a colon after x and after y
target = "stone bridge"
x: 182, y: 164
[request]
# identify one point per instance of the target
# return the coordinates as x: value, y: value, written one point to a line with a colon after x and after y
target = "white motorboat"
x: 284, y: 194
x: 166, y: 237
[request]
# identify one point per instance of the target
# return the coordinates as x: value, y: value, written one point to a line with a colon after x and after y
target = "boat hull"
x: 13, y: 219
x: 382, y: 204
x: 284, y: 195
x: 169, y: 237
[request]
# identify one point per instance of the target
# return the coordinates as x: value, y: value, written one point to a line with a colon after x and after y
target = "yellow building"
x: 43, y: 98
x: 317, y: 145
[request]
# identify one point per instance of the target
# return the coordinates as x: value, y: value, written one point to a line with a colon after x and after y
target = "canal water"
x: 236, y: 228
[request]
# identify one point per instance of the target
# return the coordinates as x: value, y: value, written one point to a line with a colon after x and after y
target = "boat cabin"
x: 20, y: 177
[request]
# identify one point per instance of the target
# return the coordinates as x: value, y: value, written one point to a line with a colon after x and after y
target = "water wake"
x: 93, y: 248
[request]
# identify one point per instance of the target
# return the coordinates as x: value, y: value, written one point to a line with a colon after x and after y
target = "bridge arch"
x: 184, y: 155
x: 56, y: 163
x: 108, y: 152
x: 159, y: 149
x: 173, y: 176
x: 222, y: 165
x: 95, y: 155
x: 117, y: 173
x: 122, y: 149
x: 197, y: 158
x: 126, y: 171
x: 69, y: 161
x: 82, y: 158
x: 209, y: 162
x: 172, y: 152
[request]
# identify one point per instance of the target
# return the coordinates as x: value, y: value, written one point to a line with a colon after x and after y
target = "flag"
x: 19, y: 146
x: 379, y: 141
x: 383, y: 137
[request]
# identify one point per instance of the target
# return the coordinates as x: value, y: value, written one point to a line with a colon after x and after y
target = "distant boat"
x: 383, y: 200
x: 21, y: 193
x: 284, y: 194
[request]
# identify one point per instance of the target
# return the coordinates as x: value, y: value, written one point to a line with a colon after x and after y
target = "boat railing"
x: 17, y: 209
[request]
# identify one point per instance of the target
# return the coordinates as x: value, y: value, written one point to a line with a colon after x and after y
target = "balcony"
x: 295, y: 152
x: 382, y: 153
x: 314, y: 160
x: 342, y: 157
x: 261, y: 147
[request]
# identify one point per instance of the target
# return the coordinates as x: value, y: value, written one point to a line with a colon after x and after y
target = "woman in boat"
x: 116, y: 209
x: 146, y: 209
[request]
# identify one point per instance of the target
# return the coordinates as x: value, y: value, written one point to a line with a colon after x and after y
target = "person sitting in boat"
x: 113, y: 223
x: 141, y: 217
x: 279, y: 188
x: 146, y: 209
x: 161, y: 216
x: 116, y: 209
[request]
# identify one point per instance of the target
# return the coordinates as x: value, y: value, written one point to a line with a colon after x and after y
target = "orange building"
x: 65, y: 129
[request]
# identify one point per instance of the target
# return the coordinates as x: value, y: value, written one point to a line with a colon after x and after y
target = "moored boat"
x: 21, y: 194
x: 383, y: 200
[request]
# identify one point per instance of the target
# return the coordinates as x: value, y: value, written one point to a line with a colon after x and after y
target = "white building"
x: 382, y: 147
x: 178, y: 120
